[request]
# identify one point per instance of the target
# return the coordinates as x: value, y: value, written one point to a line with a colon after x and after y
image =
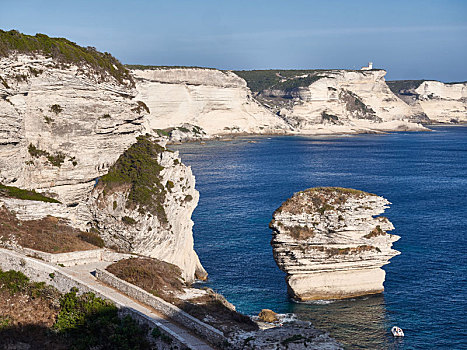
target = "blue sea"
x: 423, y: 174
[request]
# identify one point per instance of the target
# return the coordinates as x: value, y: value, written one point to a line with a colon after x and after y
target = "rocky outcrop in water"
x: 331, y: 243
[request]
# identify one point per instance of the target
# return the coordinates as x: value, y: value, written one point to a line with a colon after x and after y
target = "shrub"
x: 92, y: 238
x: 377, y: 231
x: 138, y: 167
x: 141, y: 107
x: 325, y: 208
x: 36, y: 152
x: 128, y: 220
x: 15, y: 192
x: 13, y: 281
x: 47, y: 234
x: 65, y: 51
x: 161, y: 132
x: 56, y: 109
x: 287, y: 80
x: 56, y: 159
x: 169, y: 185
x: 92, y: 322
x: 299, y: 232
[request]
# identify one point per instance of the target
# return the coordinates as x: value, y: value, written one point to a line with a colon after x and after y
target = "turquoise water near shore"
x: 423, y: 174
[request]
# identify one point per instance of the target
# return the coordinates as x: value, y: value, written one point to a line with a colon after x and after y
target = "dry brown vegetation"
x: 48, y: 234
x: 346, y: 251
x: 319, y: 200
x: 299, y: 232
x: 154, y: 276
x: 34, y: 315
x: 377, y: 231
x: 28, y: 319
x: 164, y: 280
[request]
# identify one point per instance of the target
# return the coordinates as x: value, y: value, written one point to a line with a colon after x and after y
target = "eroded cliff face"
x: 135, y: 213
x: 218, y: 102
x: 343, y: 101
x: 330, y: 243
x: 442, y: 103
x: 62, y: 128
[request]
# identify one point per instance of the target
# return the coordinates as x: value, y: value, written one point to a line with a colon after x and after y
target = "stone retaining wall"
x: 75, y: 258
x: 42, y: 272
x: 208, y: 332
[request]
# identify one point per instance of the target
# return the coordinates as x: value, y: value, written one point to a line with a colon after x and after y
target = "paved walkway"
x: 84, y: 273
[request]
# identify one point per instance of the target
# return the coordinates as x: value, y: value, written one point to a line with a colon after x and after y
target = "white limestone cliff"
x: 91, y: 124
x: 62, y: 128
x: 168, y: 238
x: 340, y: 101
x: 218, y: 102
x: 330, y: 244
x: 443, y: 103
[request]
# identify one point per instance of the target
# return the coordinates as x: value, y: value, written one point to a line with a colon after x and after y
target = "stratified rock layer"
x: 62, y: 127
x: 330, y: 244
x: 344, y: 101
x: 441, y: 102
x: 218, y: 102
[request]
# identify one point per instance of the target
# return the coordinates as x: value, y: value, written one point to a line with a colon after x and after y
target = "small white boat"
x: 397, y: 332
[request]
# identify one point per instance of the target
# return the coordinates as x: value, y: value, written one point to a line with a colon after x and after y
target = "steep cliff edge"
x: 331, y: 101
x: 441, y: 102
x: 144, y: 205
x: 330, y: 243
x: 219, y: 102
x: 67, y: 114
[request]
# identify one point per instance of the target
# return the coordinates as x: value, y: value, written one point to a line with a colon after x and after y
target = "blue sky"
x: 411, y: 39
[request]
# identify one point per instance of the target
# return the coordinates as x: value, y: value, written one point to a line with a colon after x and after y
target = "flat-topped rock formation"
x: 333, y: 101
x: 331, y: 243
x: 219, y: 102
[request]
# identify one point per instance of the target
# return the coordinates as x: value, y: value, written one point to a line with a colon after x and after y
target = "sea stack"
x: 331, y: 243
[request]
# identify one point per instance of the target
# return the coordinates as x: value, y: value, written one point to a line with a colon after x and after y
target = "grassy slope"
x: 47, y: 234
x: 15, y: 192
x: 164, y: 280
x: 64, y: 51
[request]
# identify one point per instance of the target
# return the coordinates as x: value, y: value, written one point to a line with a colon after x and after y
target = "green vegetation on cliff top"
x: 64, y: 51
x: 15, y: 192
x: 149, y: 67
x: 138, y: 168
x: 282, y: 79
x: 397, y: 85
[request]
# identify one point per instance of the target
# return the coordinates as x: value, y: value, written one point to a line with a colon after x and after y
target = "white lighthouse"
x: 370, y: 66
